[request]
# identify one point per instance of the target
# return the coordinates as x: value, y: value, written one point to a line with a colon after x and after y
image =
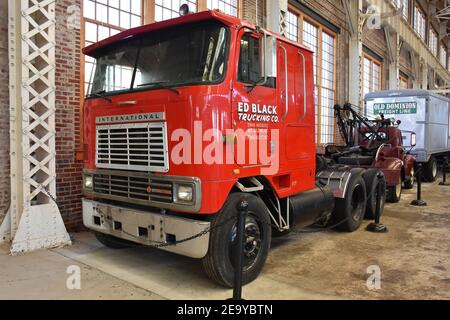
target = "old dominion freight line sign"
x: 395, y: 108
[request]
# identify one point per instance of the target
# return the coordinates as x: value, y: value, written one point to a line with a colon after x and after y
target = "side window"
x: 250, y: 62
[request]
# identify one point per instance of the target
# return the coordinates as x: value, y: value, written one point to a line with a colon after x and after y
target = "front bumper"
x: 147, y: 228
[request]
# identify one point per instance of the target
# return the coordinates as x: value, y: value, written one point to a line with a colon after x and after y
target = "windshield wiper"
x: 99, y: 94
x: 252, y: 86
x: 159, y: 85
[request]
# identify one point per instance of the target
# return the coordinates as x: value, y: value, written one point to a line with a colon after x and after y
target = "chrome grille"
x: 134, y: 188
x: 133, y: 146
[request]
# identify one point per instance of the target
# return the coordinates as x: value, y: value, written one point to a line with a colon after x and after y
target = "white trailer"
x: 423, y: 112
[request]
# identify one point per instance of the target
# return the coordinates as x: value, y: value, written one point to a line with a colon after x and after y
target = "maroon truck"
x: 376, y: 144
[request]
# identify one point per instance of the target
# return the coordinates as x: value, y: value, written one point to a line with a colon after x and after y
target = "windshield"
x: 176, y: 57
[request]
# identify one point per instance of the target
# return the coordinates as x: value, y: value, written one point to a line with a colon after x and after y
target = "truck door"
x: 255, y: 107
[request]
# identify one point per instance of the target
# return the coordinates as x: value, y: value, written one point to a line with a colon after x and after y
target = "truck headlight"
x: 185, y: 193
x: 88, y: 182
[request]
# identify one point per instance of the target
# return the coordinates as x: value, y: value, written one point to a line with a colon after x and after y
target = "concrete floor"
x: 414, y: 259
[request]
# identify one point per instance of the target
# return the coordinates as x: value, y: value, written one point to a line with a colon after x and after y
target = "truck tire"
x: 349, y: 212
x: 219, y: 261
x: 394, y: 193
x: 409, y: 183
x: 430, y: 170
x: 113, y: 242
x: 371, y: 180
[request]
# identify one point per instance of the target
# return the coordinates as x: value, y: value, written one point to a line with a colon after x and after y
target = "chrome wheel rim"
x: 252, y: 242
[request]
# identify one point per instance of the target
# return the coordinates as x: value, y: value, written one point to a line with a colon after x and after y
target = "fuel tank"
x: 307, y: 207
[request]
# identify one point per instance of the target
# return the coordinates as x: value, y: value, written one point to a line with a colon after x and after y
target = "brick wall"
x: 69, y: 180
x: 4, y: 111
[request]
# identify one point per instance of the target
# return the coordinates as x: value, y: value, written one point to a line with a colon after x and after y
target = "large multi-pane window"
x: 292, y: 26
x: 405, y: 5
x: 323, y: 43
x: 371, y: 75
x: 105, y: 18
x: 443, y: 55
x: 433, y: 41
x: 168, y: 9
x: 403, y: 82
x: 230, y: 7
x: 419, y: 22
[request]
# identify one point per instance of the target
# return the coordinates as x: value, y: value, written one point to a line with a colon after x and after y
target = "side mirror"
x: 413, y: 139
x: 270, y: 56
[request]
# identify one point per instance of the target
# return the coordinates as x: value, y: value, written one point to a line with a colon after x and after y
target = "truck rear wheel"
x: 430, y: 170
x: 372, y: 181
x: 219, y: 262
x: 394, y: 193
x: 349, y: 212
x: 113, y: 242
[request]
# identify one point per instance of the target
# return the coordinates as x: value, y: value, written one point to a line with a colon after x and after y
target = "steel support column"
x: 277, y: 15
x: 394, y: 47
x: 353, y: 11
x: 424, y: 74
x: 416, y: 72
x: 33, y: 221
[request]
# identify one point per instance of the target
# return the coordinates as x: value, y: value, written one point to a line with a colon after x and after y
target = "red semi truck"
x: 188, y: 117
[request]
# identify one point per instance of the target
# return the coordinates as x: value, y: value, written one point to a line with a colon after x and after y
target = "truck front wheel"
x: 394, y: 193
x: 220, y: 260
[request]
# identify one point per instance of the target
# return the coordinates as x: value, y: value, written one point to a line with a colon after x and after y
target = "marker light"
x: 88, y: 182
x: 413, y: 140
x: 184, y: 10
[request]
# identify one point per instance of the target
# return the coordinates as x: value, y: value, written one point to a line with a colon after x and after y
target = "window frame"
x: 405, y: 12
x: 84, y: 21
x: 403, y: 79
x: 321, y: 29
x: 443, y: 60
x: 373, y: 61
x: 433, y: 43
x: 149, y: 9
x: 422, y: 14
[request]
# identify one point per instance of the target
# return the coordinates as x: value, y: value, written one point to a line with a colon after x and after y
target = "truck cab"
x: 187, y: 118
